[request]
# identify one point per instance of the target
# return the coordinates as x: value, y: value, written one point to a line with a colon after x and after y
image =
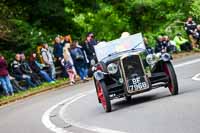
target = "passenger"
x: 4, y: 77
x: 182, y: 44
x: 190, y: 27
x: 66, y: 63
x: 18, y: 74
x: 79, y: 60
x: 37, y: 67
x: 48, y: 60
x: 26, y: 69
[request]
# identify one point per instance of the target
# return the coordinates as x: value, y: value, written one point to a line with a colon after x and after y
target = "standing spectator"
x: 67, y: 39
x: 190, y: 27
x: 79, y: 60
x: 197, y: 34
x: 66, y: 63
x: 66, y: 52
x: 4, y: 77
x: 48, y: 60
x: 37, y: 67
x: 88, y: 48
x: 58, y: 50
x: 26, y: 69
x: 182, y: 43
x: 18, y: 74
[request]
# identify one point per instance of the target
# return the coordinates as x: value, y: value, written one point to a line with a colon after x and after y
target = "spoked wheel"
x: 103, y: 96
x: 173, y: 84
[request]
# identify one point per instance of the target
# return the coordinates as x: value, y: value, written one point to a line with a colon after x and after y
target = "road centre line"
x: 187, y: 63
x: 46, y: 116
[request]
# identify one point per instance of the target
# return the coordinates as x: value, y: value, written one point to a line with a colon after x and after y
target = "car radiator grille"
x: 132, y: 66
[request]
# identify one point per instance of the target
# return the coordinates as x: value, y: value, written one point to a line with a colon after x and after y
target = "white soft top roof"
x: 103, y: 49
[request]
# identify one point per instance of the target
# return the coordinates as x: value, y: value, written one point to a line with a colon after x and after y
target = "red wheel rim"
x: 166, y: 70
x: 100, y: 95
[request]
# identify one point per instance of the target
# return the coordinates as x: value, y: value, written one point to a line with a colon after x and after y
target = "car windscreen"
x: 105, y: 49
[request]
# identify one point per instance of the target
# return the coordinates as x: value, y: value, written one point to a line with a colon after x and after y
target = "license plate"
x: 137, y: 84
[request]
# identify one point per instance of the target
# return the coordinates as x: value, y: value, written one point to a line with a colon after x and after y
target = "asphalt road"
x: 75, y: 109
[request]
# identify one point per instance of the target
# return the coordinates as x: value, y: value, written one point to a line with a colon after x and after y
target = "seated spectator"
x: 160, y: 46
x: 4, y: 77
x: 26, y: 69
x: 15, y: 84
x: 79, y: 60
x: 182, y: 44
x: 48, y: 61
x: 171, y: 46
x: 37, y: 67
x: 18, y: 74
x: 190, y: 27
x: 66, y: 63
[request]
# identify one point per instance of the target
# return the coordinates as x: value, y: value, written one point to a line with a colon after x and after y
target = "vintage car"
x: 124, y: 69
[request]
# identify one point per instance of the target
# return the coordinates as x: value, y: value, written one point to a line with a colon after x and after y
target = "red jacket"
x: 3, y: 67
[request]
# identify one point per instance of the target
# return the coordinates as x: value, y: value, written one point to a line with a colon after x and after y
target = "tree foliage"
x: 24, y: 23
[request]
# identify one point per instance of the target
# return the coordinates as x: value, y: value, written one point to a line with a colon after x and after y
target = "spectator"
x: 66, y: 52
x: 66, y: 63
x: 79, y: 60
x: 182, y: 44
x: 18, y: 74
x: 67, y: 39
x: 88, y: 48
x: 160, y: 46
x: 190, y: 27
x: 38, y: 51
x: 4, y: 77
x: 26, y: 69
x: 171, y: 45
x: 58, y: 50
x: 37, y: 67
x: 48, y: 60
x: 148, y: 48
x: 197, y: 34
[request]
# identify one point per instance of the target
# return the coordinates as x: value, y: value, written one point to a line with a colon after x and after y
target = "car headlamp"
x: 151, y: 59
x: 112, y: 68
x: 165, y: 57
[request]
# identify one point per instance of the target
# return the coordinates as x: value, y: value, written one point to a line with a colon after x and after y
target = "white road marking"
x: 187, y: 63
x: 46, y: 116
x: 83, y: 126
x: 196, y: 77
x: 48, y: 124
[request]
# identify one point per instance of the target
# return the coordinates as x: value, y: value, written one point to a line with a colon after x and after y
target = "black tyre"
x: 95, y: 83
x: 173, y: 83
x: 128, y: 98
x: 102, y: 93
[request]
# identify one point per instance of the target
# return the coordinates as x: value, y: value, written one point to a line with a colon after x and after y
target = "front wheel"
x: 172, y: 84
x: 103, y: 95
